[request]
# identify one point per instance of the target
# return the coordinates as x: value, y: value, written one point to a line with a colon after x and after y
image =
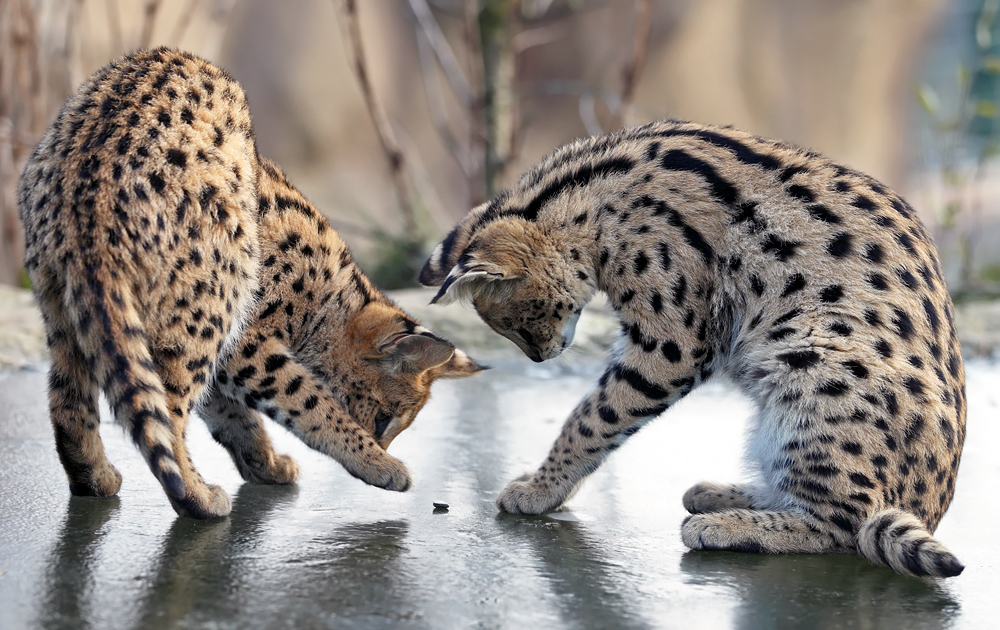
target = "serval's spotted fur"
x: 813, y: 286
x: 175, y: 269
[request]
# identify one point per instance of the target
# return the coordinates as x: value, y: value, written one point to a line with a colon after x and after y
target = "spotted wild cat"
x: 176, y: 270
x: 813, y: 286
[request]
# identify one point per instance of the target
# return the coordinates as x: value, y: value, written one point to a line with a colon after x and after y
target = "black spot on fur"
x: 903, y: 323
x: 640, y: 263
x: 780, y: 333
x: 883, y: 348
x: 874, y: 253
x: 177, y: 157
x: 852, y: 448
x: 656, y: 302
x: 822, y: 213
x: 782, y: 249
x: 833, y: 388
x: 671, y: 351
x: 864, y: 203
x: 800, y: 359
x: 840, y: 245
x: 878, y: 281
x: 856, y: 369
x: 914, y: 385
x: 664, y: 256
x: 640, y: 383
x: 831, y: 294
x: 608, y: 415
x: 908, y: 279
x: 679, y: 291
x: 801, y: 193
x: 677, y: 160
x: 907, y: 243
x: 790, y: 315
x: 932, y: 315
x: 795, y: 284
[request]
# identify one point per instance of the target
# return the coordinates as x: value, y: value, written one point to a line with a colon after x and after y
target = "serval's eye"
x: 526, y: 336
x: 382, y: 420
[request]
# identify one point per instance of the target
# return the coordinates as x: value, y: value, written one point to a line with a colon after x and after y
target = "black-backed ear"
x: 446, y: 254
x: 436, y: 268
x: 464, y: 280
x: 416, y: 353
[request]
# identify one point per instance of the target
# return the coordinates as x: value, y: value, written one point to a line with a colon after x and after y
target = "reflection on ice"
x: 332, y: 552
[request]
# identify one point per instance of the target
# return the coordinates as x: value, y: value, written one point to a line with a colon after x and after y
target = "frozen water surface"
x: 332, y: 552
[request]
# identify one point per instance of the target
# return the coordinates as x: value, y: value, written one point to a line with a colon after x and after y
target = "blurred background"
x: 397, y: 116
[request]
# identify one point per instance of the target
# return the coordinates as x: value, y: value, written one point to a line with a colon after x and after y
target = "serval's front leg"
x: 624, y: 400
x: 241, y: 431
x: 706, y: 497
x: 274, y: 383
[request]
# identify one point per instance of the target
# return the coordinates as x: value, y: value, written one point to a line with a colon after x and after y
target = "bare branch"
x: 633, y: 69
x: 21, y: 112
x: 443, y: 52
x: 497, y: 24
x: 436, y: 105
x: 569, y: 87
x: 394, y: 155
x: 539, y: 36
x: 148, y: 21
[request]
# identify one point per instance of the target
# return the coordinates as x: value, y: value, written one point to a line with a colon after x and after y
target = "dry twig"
x: 497, y: 25
x: 21, y: 113
x: 437, y: 107
x: 443, y: 52
x: 390, y: 146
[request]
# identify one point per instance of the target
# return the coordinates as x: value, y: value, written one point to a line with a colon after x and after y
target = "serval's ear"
x: 415, y: 353
x: 460, y: 365
x: 446, y: 254
x: 467, y: 279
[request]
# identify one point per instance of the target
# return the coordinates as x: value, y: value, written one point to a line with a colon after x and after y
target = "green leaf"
x: 991, y: 63
x: 962, y: 76
x: 928, y: 99
x: 986, y: 109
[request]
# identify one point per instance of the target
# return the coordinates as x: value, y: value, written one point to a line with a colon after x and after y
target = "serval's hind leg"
x: 73, y: 395
x: 757, y: 531
x: 184, y: 381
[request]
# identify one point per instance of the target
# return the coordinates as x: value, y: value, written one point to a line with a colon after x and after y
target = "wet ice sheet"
x: 332, y: 552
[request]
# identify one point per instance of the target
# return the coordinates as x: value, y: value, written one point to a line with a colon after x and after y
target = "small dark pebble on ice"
x: 440, y: 506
